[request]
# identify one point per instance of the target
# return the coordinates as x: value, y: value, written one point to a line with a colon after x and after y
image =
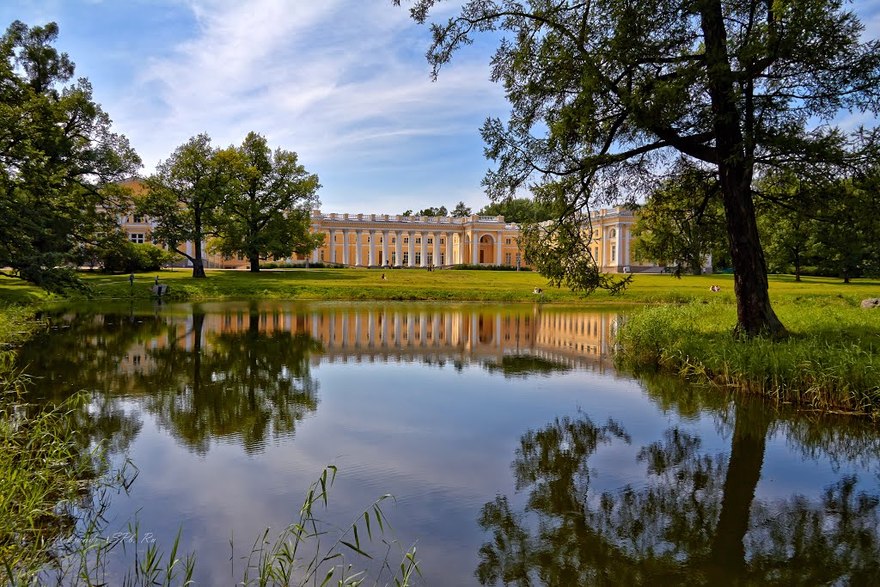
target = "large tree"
x: 605, y: 92
x: 267, y: 211
x: 183, y: 195
x: 59, y: 161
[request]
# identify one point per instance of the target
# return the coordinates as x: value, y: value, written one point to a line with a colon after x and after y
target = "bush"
x: 490, y: 267
x: 129, y: 257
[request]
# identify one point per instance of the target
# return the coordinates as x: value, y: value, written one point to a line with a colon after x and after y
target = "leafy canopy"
x: 59, y: 160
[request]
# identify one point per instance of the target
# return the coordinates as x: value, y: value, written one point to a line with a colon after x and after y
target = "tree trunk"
x: 255, y: 263
x: 797, y: 267
x: 754, y: 314
x: 198, y: 263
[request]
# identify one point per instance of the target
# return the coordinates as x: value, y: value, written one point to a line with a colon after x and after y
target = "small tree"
x: 681, y: 222
x: 461, y: 211
x: 266, y: 210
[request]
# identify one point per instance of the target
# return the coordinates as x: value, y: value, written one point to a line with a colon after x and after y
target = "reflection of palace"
x: 387, y: 333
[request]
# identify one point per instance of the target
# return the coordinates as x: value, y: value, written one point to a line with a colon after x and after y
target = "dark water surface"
x: 515, y: 452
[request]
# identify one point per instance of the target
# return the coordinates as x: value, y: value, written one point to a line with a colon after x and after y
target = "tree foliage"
x: 461, y: 210
x: 518, y: 210
x: 604, y: 93
x: 183, y: 196
x: 681, y: 222
x: 59, y: 159
x: 267, y: 208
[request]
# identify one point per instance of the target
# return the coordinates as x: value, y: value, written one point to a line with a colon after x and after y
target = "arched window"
x: 613, y: 233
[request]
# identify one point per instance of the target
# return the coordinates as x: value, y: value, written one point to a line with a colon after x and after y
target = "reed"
x: 830, y: 360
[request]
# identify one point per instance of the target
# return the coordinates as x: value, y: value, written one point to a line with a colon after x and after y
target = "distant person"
x: 383, y: 277
x: 538, y: 291
x: 131, y: 279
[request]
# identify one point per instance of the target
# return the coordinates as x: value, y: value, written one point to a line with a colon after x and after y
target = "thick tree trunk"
x: 198, y: 263
x: 255, y: 263
x: 754, y: 314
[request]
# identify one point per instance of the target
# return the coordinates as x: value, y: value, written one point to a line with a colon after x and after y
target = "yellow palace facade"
x: 384, y: 240
x: 387, y: 240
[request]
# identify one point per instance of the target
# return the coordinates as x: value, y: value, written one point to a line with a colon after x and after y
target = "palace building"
x: 386, y: 240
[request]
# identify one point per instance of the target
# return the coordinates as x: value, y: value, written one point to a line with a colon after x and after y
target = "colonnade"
x: 429, y: 251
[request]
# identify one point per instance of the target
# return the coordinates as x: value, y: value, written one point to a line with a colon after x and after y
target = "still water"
x: 514, y: 451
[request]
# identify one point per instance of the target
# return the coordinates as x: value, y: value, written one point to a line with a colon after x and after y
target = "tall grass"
x: 829, y: 361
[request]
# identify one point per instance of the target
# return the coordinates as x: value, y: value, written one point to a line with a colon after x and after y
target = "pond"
x: 514, y: 451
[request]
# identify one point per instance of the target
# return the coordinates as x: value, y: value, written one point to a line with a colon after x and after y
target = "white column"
x: 626, y: 238
x: 449, y: 248
x: 617, y: 246
x: 411, y: 248
x: 398, y: 249
x: 371, y: 236
x: 475, y: 249
x: 357, y: 251
x: 332, y: 246
x: 498, y: 242
x: 385, y: 259
x: 345, y: 247
x: 423, y: 250
x: 435, y: 236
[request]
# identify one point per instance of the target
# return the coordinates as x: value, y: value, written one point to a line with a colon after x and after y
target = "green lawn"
x: 410, y: 284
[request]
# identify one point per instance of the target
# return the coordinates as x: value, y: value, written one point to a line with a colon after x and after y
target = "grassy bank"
x: 412, y: 284
x: 830, y: 360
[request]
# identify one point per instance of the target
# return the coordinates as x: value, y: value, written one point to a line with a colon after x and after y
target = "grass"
x: 413, y: 284
x: 830, y: 361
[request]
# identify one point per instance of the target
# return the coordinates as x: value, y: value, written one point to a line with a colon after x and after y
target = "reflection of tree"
x: 695, y: 520
x: 246, y: 385
x: 521, y: 366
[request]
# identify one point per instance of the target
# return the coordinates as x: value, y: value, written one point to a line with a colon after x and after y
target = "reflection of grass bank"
x: 830, y: 361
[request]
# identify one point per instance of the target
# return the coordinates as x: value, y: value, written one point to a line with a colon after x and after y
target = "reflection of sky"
x: 441, y: 441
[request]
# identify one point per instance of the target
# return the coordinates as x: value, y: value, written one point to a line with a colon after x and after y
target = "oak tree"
x: 183, y: 195
x: 267, y: 209
x: 605, y: 93
x: 60, y: 162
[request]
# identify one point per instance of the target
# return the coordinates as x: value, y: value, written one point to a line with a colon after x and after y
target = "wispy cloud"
x: 343, y: 84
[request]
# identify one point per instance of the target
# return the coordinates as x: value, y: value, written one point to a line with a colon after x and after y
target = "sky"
x: 343, y: 83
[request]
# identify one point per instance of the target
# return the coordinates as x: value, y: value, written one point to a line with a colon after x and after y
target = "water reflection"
x: 242, y: 371
x: 614, y: 481
x: 694, y: 515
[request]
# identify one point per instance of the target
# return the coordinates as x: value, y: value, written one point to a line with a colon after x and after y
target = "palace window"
x: 430, y: 241
x: 442, y: 241
x: 430, y: 259
x: 405, y: 258
x: 136, y: 237
x: 406, y: 240
x: 418, y: 258
x: 418, y: 240
x: 507, y: 258
x: 614, y: 252
x: 507, y: 241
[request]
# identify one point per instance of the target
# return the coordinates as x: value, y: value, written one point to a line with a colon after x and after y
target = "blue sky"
x: 344, y: 83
